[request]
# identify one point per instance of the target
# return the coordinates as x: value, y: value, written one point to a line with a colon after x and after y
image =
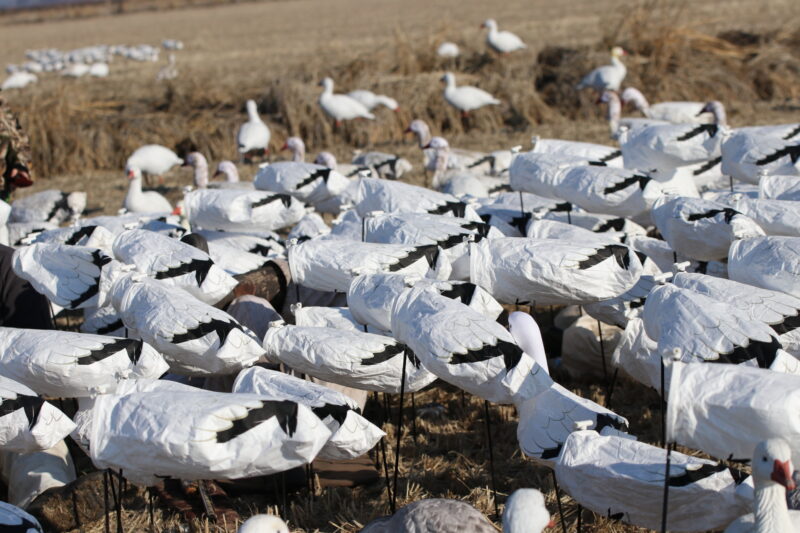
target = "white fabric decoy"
x: 597, y: 154
x: 18, y: 80
x: 332, y: 317
x: 607, y: 77
x: 352, y: 435
x: 102, y: 321
x: 384, y: 165
x: 448, y: 233
x: 465, y: 98
x: 701, y: 229
x: 671, y: 145
x: 775, y: 217
x: 51, y: 205
x: 153, y: 429
x: 504, y: 42
x: 253, y: 134
x: 27, y: 422
x: 674, y: 112
x: 175, y: 263
x: 771, y: 149
x: 310, y: 226
x: 138, y: 201
x: 370, y: 100
x: 394, y: 196
x: 624, y: 479
x: 331, y: 264
x: 88, y: 235
x: 527, y: 335
x: 307, y: 182
x: 12, y: 518
x: 63, y: 364
x: 546, y: 271
x: 266, y: 243
x: 553, y: 229
x: 511, y: 212
x: 608, y: 190
x: 68, y: 275
x: 233, y: 259
x: 496, y: 162
x: 726, y: 410
x: 701, y: 328
x: 351, y: 358
x: 595, y: 222
x: 195, y: 338
x: 241, y: 211
x: 664, y: 257
x: 638, y: 356
x: 340, y: 106
x: 772, y: 477
x: 463, y: 347
x: 263, y: 523
x: 779, y: 188
x: 767, y: 262
x: 540, y: 174
x: 447, y: 49
x: 153, y: 159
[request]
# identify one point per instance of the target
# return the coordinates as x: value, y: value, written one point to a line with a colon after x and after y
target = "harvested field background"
x: 744, y: 53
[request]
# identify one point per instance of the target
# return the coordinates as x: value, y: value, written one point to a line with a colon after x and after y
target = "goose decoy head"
x: 618, y: 51
x: 772, y: 461
x: 489, y: 24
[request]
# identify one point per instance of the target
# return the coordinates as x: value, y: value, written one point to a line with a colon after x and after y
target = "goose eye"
x: 764, y: 458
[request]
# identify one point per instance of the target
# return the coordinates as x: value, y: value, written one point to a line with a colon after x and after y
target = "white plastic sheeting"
x: 330, y: 265
x: 27, y: 475
x: 174, y: 263
x: 87, y: 235
x: 309, y: 183
x: 701, y: 229
x: 27, y: 422
x: 355, y: 359
x: 767, y: 262
x: 195, y: 338
x: 331, y: 317
x: 160, y: 428
x: 462, y: 346
x: 64, y: 364
x: 726, y: 410
x: 552, y: 272
x: 241, y: 210
x: 637, y: 355
x: 624, y: 479
x: 67, y: 275
x: 352, y: 435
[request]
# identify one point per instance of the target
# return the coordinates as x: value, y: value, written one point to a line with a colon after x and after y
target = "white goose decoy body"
x: 253, y: 134
x: 138, y: 201
x: 465, y: 98
x: 607, y: 77
x: 504, y: 42
x: 153, y: 159
x: 339, y: 106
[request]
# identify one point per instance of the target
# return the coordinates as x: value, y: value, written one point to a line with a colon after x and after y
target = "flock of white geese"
x: 682, y: 240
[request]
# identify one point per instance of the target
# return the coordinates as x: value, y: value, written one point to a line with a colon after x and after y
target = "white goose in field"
x: 772, y: 477
x: 153, y: 159
x: 64, y: 364
x: 352, y: 171
x: 138, y: 201
x: 340, y: 106
x: 253, y: 135
x: 607, y: 77
x: 171, y: 429
x: 370, y: 100
x: 447, y: 49
x: 351, y: 358
x: 504, y: 42
x: 525, y: 510
x: 675, y: 112
x: 18, y: 80
x: 465, y: 98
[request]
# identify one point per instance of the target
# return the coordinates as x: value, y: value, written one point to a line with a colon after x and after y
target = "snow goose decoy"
x: 447, y: 49
x: 595, y: 154
x: 48, y: 206
x: 27, y: 422
x: 674, y: 112
x: 266, y: 243
x: 138, y: 201
x: 779, y: 188
x: 623, y: 479
x: 153, y: 159
x: 540, y: 173
x: 701, y: 229
x: 767, y: 262
x: 748, y: 153
x: 195, y: 338
x: 607, y: 77
x: 504, y: 42
x: 382, y: 164
x: 775, y: 217
x: 331, y: 264
x: 297, y: 147
x: 68, y: 275
x: 228, y: 169
x: 307, y: 182
x: 18, y: 80
x: 263, y: 523
x: 608, y: 190
x: 241, y: 210
x: 339, y: 106
x: 554, y: 272
x: 352, y: 435
x: 370, y: 100
x: 616, y: 123
x: 463, y: 347
x: 394, y: 196
x: 174, y: 263
x: 525, y: 510
x: 347, y: 357
x: 465, y: 98
x: 253, y: 135
x: 667, y: 146
x: 157, y: 428
x: 87, y: 235
x: 772, y: 477
x: 64, y: 364
x: 458, y: 158
x: 199, y: 165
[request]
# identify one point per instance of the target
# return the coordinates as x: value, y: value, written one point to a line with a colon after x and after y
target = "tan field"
x: 744, y: 53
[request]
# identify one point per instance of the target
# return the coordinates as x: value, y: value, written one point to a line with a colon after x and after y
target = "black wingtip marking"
x: 612, y: 155
x: 619, y: 252
x: 389, y: 351
x: 113, y: 326
x: 792, y: 151
x: 615, y: 224
x: 99, y: 259
x: 510, y: 352
x: 764, y: 353
x: 711, y: 129
x: 323, y: 173
x: 58, y: 205
x: 792, y: 133
x: 711, y: 163
x: 337, y: 412
x: 461, y: 291
x: 729, y: 214
x: 132, y: 346
x: 85, y: 231
x: 31, y: 404
x: 458, y: 209
x: 430, y: 252
x: 200, y: 267
x: 284, y: 411
x: 521, y: 222
x: 485, y: 159
x: 790, y: 323
x: 627, y: 182
x: 221, y: 327
x: 285, y: 199
x: 693, y: 476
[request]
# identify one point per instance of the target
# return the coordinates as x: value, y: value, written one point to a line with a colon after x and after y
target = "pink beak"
x: 782, y: 473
